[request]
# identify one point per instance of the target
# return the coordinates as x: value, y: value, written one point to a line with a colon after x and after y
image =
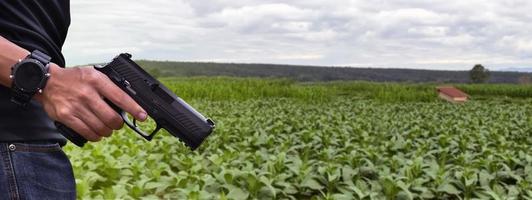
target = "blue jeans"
x: 35, y: 171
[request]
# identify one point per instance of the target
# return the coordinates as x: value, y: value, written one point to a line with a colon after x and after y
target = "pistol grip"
x: 70, y: 134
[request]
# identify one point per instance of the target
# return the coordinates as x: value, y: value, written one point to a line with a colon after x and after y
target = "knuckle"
x: 96, y: 77
x: 101, y: 129
x: 63, y: 113
x: 116, y: 122
x: 84, y: 74
x: 90, y: 75
x: 110, y: 117
x: 85, y: 93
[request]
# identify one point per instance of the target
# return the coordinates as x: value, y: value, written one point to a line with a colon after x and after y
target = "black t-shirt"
x: 33, y: 25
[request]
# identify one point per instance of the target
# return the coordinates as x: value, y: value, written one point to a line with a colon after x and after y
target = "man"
x: 36, y: 90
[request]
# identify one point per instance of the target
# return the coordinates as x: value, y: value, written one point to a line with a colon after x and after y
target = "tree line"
x: 313, y: 73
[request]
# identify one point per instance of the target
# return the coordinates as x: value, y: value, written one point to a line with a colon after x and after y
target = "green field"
x: 280, y: 139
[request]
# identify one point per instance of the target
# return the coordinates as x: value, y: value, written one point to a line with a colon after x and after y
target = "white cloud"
x: 442, y: 34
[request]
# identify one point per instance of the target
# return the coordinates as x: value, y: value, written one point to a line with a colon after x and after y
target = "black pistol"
x: 162, y: 105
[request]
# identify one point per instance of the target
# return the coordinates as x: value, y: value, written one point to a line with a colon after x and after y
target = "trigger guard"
x: 133, y: 125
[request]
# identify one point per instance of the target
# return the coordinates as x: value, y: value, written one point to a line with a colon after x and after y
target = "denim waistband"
x: 29, y: 146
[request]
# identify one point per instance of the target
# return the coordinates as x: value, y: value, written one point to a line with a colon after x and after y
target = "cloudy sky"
x: 435, y: 34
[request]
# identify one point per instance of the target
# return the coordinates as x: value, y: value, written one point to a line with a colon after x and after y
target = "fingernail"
x: 142, y: 116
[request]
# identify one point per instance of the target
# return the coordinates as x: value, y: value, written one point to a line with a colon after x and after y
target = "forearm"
x: 10, y: 53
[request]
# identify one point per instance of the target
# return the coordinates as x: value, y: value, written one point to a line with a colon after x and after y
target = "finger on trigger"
x: 121, y: 99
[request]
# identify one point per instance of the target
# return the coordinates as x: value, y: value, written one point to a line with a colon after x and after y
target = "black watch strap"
x: 41, y: 57
x: 20, y: 97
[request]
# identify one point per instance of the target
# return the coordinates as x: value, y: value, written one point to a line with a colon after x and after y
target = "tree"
x: 479, y: 74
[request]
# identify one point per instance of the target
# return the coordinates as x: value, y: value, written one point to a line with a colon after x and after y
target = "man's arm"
x: 9, y: 55
x: 74, y: 96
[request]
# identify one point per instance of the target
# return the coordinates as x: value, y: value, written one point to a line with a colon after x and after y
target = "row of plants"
x: 269, y: 144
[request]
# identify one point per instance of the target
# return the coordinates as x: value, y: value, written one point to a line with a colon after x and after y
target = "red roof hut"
x: 452, y: 94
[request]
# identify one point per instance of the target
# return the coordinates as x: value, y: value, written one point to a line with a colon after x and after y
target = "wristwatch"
x: 29, y: 76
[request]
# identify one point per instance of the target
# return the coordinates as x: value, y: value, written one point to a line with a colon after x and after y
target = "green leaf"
x: 448, y: 188
x: 82, y: 188
x: 120, y: 191
x: 155, y: 185
x: 311, y: 183
x: 237, y: 193
x: 493, y: 195
x: 268, y: 185
x: 485, y: 178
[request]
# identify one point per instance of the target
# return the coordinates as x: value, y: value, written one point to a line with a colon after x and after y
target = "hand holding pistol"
x: 167, y: 110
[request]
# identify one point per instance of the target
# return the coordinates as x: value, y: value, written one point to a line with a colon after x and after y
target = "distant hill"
x: 517, y: 69
x: 313, y: 73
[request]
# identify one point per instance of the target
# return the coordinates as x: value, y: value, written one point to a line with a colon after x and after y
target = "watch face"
x: 28, y: 75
